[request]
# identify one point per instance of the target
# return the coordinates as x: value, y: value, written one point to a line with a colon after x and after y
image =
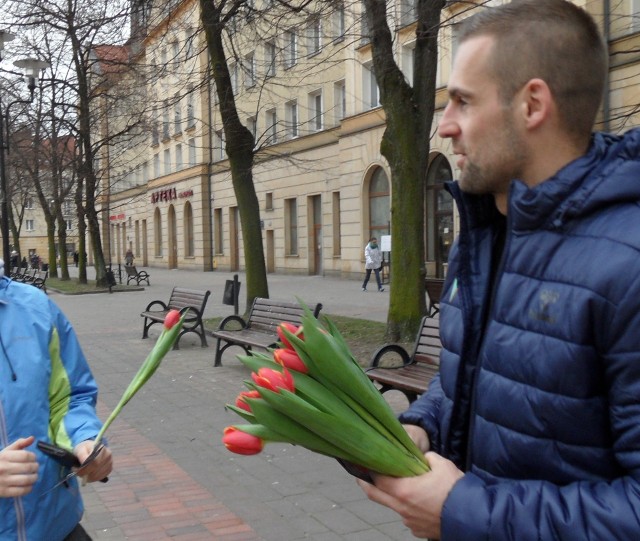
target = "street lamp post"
x: 32, y: 68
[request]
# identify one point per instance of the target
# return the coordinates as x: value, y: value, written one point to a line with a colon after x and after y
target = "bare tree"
x: 69, y: 31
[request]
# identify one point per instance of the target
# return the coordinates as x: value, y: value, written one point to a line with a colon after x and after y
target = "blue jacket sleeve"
x: 535, y: 510
x: 424, y: 412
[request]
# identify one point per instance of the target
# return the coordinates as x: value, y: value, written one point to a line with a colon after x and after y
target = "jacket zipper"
x: 485, y: 322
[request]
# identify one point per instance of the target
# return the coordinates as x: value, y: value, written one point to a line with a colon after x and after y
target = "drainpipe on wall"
x: 210, y: 266
x: 606, y: 105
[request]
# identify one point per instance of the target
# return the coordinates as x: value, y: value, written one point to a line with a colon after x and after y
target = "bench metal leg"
x: 147, y: 323
x: 221, y: 350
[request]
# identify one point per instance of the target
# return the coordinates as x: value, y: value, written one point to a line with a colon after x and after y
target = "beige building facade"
x: 305, y: 88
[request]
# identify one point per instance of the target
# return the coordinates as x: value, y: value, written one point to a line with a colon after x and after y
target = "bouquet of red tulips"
x: 312, y: 392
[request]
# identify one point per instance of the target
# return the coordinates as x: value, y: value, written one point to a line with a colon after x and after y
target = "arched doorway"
x: 439, y: 217
x: 379, y: 204
x: 188, y: 230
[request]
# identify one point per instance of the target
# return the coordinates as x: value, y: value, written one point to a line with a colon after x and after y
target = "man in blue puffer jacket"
x: 533, y: 424
x: 47, y: 393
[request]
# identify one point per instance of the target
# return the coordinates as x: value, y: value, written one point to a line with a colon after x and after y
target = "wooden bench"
x: 433, y: 287
x: 259, y: 330
x: 412, y: 377
x: 40, y: 280
x: 27, y: 276
x: 136, y: 275
x: 184, y: 300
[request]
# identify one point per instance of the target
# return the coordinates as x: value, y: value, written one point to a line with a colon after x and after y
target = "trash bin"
x: 111, y: 279
x: 230, y: 294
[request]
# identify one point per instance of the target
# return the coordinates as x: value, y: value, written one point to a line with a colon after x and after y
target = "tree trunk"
x: 239, y: 147
x: 405, y: 144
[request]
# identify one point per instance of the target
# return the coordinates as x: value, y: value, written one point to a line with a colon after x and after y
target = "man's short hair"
x: 553, y: 40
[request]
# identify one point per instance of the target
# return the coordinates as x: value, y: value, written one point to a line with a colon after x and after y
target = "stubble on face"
x: 492, y: 165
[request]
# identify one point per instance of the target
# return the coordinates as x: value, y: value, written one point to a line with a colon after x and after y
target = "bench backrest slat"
x: 428, y: 341
x: 181, y: 298
x: 266, y: 315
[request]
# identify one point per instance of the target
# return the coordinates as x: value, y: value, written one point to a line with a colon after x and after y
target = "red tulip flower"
x: 290, y: 359
x: 240, y: 442
x: 242, y: 403
x: 274, y: 380
x: 171, y: 319
x: 293, y: 329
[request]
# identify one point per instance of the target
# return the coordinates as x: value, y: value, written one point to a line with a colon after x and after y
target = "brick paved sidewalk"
x: 150, y: 498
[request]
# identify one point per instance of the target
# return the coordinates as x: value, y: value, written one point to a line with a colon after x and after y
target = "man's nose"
x: 447, y: 127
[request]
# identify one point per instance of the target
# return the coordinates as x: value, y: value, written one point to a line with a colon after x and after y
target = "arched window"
x: 188, y: 230
x: 439, y: 215
x: 379, y: 205
x: 157, y: 233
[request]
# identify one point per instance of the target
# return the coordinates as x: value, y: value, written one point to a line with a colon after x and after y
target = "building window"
x: 268, y: 201
x: 408, y: 13
x: 179, y: 164
x: 635, y: 15
x: 219, y: 143
x: 339, y: 101
x: 291, y: 226
x: 177, y: 115
x: 364, y: 25
x: 157, y: 233
x: 188, y: 230
x: 156, y: 165
x: 407, y: 60
x: 217, y: 220
x: 191, y: 117
x: 290, y: 48
x: 175, y: 52
x: 271, y: 126
x: 291, y: 118
x: 251, y: 126
x: 67, y: 207
x: 165, y: 120
x: 315, y: 111
x: 167, y: 161
x: 314, y: 37
x: 189, y: 36
x: 370, y: 90
x: 69, y: 224
x: 270, y: 58
x: 249, y: 66
x: 192, y: 152
x: 163, y: 61
x: 337, y: 233
x: 233, y: 73
x: 155, y: 130
x: 339, y: 22
x: 28, y: 204
x: 30, y: 225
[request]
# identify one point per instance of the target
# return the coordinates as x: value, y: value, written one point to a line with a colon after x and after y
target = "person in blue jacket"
x: 47, y: 393
x: 532, y: 427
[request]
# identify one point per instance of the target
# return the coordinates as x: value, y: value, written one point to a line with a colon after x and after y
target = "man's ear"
x: 536, y: 103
